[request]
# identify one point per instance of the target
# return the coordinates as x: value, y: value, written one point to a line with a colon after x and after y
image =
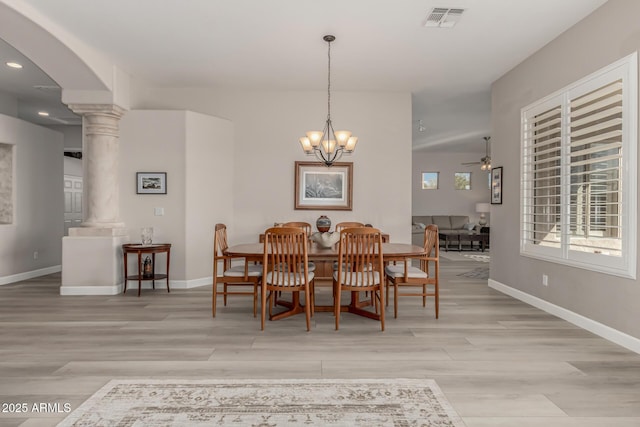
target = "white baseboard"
x: 90, y: 290
x: 117, y: 289
x: 606, y: 332
x: 29, y: 274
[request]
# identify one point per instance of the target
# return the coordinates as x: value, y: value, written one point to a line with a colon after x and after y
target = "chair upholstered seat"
x: 398, y: 271
x: 290, y: 279
x: 357, y: 278
x: 238, y: 271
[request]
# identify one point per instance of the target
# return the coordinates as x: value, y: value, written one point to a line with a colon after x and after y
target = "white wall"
x: 209, y: 188
x: 8, y: 105
x: 38, y: 193
x: 267, y: 127
x: 196, y: 152
x: 72, y: 166
x: 607, y: 35
x: 446, y: 200
x: 72, y: 136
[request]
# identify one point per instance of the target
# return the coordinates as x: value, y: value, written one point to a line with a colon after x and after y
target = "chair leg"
x: 214, y: 297
x: 437, y: 300
x: 424, y: 295
x: 387, y: 290
x: 255, y: 299
x: 336, y: 306
x: 395, y: 300
x: 225, y: 294
x: 307, y: 306
x: 263, y: 306
x: 381, y: 293
x: 312, y: 297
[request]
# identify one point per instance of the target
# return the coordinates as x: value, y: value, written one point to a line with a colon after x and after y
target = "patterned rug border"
x: 76, y: 416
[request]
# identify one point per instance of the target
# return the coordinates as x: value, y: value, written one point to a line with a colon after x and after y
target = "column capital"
x: 98, y: 109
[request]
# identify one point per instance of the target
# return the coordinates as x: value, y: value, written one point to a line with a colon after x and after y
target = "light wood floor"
x: 500, y: 362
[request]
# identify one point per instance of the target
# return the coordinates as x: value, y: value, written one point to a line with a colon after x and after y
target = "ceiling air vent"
x: 443, y: 17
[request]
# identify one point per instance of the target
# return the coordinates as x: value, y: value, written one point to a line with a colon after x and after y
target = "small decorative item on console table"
x: 136, y: 248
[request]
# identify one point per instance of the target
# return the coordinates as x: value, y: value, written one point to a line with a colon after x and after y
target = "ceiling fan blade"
x: 471, y: 163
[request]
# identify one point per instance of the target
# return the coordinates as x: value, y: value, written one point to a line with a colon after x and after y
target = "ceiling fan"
x: 485, y: 161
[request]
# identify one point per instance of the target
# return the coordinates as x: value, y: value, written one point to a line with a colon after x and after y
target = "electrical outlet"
x: 35, y: 255
x: 545, y: 280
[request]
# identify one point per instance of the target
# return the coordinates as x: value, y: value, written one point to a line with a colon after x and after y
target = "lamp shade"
x: 483, y: 207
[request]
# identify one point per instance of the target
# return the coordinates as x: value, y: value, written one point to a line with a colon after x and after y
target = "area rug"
x: 476, y: 273
x: 267, y: 403
x: 465, y: 256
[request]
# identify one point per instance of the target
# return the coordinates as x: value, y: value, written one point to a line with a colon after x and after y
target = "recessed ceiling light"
x: 14, y: 65
x: 43, y: 113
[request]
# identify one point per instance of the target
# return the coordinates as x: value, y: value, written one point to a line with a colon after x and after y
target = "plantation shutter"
x: 542, y: 175
x: 595, y: 141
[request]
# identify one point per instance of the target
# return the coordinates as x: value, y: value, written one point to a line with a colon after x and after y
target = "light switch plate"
x: 158, y: 211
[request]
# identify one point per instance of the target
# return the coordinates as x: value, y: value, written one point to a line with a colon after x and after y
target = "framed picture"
x: 496, y: 186
x: 430, y: 180
x: 462, y: 181
x: 324, y: 188
x: 151, y: 182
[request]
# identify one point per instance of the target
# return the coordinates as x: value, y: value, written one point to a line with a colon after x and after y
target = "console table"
x: 481, y: 238
x: 133, y: 248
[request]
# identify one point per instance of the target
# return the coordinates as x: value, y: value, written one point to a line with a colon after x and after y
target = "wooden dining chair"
x: 360, y: 268
x: 406, y: 275
x: 285, y: 268
x: 233, y: 276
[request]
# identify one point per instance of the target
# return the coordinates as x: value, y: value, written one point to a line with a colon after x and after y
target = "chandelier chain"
x: 329, y: 83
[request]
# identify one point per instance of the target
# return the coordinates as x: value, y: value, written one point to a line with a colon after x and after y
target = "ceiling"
x: 277, y: 45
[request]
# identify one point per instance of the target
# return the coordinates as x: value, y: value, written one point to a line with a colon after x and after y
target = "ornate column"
x: 100, y: 163
x: 92, y: 253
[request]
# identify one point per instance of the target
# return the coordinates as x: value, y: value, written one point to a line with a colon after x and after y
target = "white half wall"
x: 196, y: 152
x: 33, y: 242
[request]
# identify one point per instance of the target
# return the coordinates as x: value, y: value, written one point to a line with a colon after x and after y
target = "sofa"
x: 449, y: 227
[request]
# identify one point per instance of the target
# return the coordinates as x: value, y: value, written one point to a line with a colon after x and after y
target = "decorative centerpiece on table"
x: 325, y: 240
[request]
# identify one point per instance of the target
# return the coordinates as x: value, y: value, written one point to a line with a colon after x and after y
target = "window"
x: 430, y: 180
x: 462, y: 181
x: 579, y: 173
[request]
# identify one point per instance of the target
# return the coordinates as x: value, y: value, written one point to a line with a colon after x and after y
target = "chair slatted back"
x: 220, y: 244
x: 285, y: 254
x: 299, y: 224
x: 431, y: 246
x: 348, y: 224
x: 360, y: 256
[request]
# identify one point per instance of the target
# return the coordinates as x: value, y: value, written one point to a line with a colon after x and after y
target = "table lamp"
x: 482, y: 209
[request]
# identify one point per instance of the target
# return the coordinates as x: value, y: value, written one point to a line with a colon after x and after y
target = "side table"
x: 136, y: 248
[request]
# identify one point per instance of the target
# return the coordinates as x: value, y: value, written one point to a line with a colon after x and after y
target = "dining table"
x: 324, y: 259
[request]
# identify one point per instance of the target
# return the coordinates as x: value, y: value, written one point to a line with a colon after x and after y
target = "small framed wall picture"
x: 151, y: 183
x: 496, y: 186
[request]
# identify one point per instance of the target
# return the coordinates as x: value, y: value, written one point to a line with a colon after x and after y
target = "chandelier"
x: 328, y: 145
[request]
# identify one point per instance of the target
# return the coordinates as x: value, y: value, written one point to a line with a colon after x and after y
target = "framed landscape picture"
x: 323, y: 188
x: 496, y: 186
x: 151, y: 183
